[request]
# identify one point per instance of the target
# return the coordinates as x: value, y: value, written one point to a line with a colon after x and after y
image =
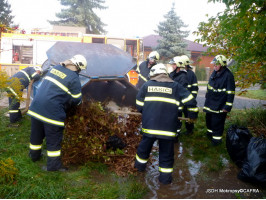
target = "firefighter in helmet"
x: 24, y: 76
x: 192, y: 87
x: 158, y: 100
x: 219, y: 98
x: 179, y: 74
x: 59, y: 90
x: 144, y: 68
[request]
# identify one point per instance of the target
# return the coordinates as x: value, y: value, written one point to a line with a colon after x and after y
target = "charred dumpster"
x: 105, y: 78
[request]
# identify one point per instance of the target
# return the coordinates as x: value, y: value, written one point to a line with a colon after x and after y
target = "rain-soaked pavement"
x: 190, y: 182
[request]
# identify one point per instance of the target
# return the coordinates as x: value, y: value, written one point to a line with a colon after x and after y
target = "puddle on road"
x: 190, y: 182
x: 185, y: 186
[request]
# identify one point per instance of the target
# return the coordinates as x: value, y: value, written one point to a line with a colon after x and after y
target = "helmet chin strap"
x: 78, y: 69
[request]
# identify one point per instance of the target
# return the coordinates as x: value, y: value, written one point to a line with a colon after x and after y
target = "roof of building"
x: 152, y: 41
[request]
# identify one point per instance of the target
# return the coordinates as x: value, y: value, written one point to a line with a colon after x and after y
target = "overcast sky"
x: 122, y: 17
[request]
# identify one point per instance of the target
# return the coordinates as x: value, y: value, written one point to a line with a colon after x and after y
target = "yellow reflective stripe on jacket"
x: 162, y: 99
x: 166, y: 170
x: 34, y: 74
x: 35, y: 147
x: 228, y: 104
x: 26, y: 75
x: 12, y: 91
x: 193, y: 109
x: 158, y: 132
x: 13, y: 111
x: 140, y: 103
x: 194, y: 92
x: 51, y: 121
x: 218, y: 90
x: 230, y: 92
x: 214, y: 111
x: 141, y: 160
x: 62, y: 87
x: 143, y: 78
x: 217, y: 137
x: 180, y: 108
x: 54, y: 153
x: 138, y: 69
x: 189, y: 86
x: 195, y: 84
x: 188, y: 98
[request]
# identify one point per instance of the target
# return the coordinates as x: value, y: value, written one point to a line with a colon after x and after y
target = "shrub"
x: 8, y: 171
x: 201, y: 73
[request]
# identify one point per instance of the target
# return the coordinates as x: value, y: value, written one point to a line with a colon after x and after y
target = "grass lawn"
x: 23, y: 179
x: 254, y: 94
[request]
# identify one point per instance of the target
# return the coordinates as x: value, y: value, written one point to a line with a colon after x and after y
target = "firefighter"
x: 192, y: 87
x: 179, y: 75
x: 219, y: 99
x: 144, y: 68
x: 25, y: 76
x: 60, y: 90
x: 158, y: 100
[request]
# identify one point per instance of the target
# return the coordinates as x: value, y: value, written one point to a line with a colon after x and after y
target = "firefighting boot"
x: 165, y: 178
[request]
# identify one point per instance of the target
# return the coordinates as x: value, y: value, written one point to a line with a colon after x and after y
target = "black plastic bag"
x: 254, y: 169
x: 115, y: 142
x: 237, y: 140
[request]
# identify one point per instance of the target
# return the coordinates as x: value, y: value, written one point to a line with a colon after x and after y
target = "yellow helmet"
x: 80, y: 61
x: 178, y: 61
x: 158, y: 69
x: 185, y: 60
x: 154, y: 55
x: 219, y: 59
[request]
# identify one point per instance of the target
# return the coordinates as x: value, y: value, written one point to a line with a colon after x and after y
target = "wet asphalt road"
x: 239, y: 102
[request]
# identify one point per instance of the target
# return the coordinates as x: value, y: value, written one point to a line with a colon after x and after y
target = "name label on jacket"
x: 160, y: 89
x: 58, y: 73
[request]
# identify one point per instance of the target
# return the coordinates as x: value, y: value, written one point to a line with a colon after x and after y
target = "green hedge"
x: 201, y: 73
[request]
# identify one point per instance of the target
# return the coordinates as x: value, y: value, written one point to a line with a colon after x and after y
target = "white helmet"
x: 158, y: 69
x: 219, y: 59
x: 186, y: 60
x: 154, y: 55
x: 178, y: 61
x: 80, y: 61
x: 38, y: 68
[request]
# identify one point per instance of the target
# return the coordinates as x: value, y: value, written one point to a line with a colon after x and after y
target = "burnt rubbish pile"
x: 98, y: 135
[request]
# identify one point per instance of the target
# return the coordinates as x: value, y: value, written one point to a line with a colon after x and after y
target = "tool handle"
x: 25, y: 110
x: 137, y: 113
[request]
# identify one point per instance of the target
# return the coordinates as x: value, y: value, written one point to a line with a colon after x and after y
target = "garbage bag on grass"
x: 237, y: 139
x: 254, y: 169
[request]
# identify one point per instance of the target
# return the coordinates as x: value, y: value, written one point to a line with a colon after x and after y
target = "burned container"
x: 105, y: 78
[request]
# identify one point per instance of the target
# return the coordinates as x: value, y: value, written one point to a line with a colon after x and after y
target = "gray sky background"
x: 124, y: 18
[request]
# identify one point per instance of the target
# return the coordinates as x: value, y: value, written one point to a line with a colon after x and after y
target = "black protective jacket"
x: 143, y: 72
x: 192, y: 82
x: 220, y: 92
x: 60, y: 88
x: 25, y: 76
x: 180, y: 77
x: 158, y: 102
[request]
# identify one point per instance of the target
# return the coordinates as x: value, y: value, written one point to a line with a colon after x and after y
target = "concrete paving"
x: 239, y: 102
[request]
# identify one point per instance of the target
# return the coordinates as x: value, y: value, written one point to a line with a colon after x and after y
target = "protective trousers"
x: 14, y: 111
x: 215, y: 125
x: 166, y: 157
x: 54, y: 135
